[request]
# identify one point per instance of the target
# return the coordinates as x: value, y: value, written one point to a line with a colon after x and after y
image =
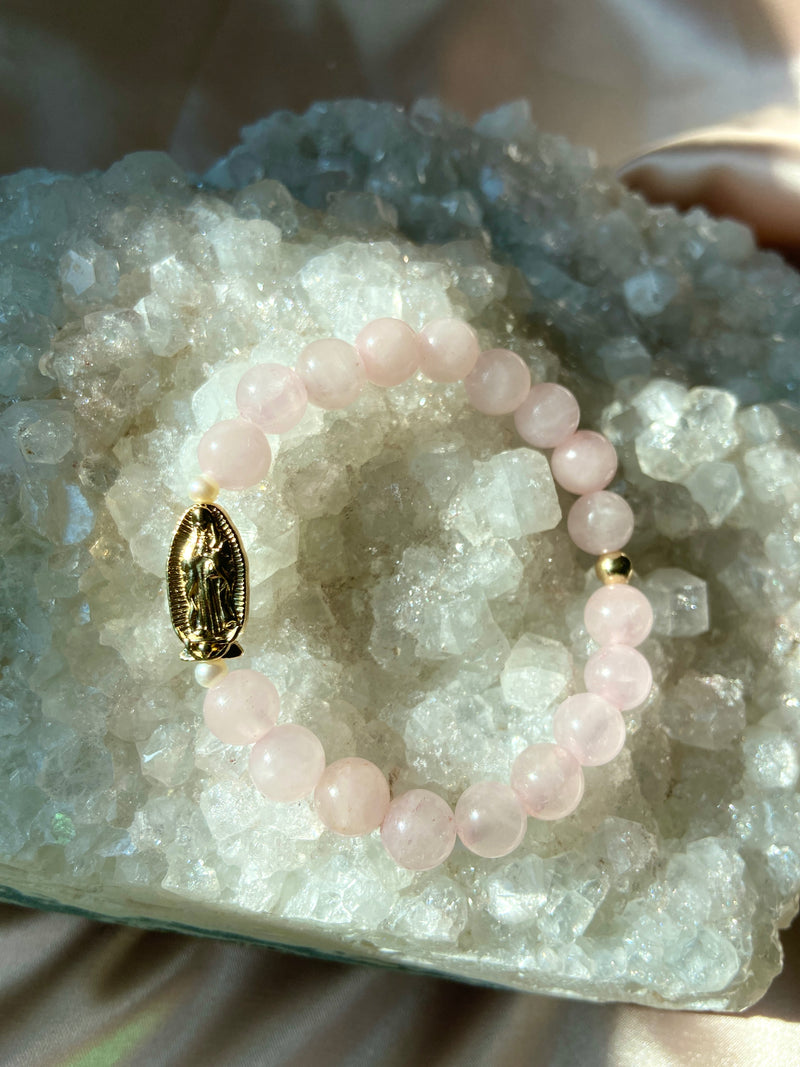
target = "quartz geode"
x: 409, y: 596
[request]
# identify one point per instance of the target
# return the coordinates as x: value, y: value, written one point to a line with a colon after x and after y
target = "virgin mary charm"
x: 207, y: 584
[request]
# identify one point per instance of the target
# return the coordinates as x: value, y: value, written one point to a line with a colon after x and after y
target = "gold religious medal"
x: 207, y: 584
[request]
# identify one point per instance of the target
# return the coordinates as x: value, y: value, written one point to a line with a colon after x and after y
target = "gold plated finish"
x: 207, y: 584
x: 613, y: 568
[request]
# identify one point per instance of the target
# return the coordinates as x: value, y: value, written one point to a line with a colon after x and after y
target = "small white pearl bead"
x: 209, y: 672
x: 203, y: 489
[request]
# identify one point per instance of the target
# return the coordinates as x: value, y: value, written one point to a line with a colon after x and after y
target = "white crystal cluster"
x: 415, y: 596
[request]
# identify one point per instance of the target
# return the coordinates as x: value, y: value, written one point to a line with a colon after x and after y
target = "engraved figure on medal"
x: 207, y: 584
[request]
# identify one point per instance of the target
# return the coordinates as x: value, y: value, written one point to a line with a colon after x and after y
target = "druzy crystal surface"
x: 415, y: 596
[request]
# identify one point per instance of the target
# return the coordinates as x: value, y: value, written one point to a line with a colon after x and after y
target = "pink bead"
x: 547, y: 416
x: 498, y: 383
x: 618, y: 615
x: 600, y: 522
x: 490, y: 819
x: 419, y: 830
x: 332, y: 373
x: 589, y: 727
x: 448, y: 350
x: 287, y: 763
x: 584, y: 463
x: 389, y: 351
x: 352, y: 797
x: 620, y: 674
x: 548, y: 780
x: 235, y: 453
x: 242, y: 707
x: 272, y: 396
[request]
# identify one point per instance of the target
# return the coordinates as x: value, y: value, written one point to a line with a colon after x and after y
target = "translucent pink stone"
x: 584, y: 463
x: 389, y: 351
x: 600, y: 522
x: 242, y: 707
x: 287, y: 763
x: 620, y: 674
x: 547, y: 416
x: 235, y: 453
x: 448, y: 350
x: 498, y: 383
x: 352, y: 796
x: 618, y: 615
x: 490, y: 819
x: 272, y: 396
x: 548, y: 780
x: 589, y: 727
x: 419, y: 830
x: 332, y: 373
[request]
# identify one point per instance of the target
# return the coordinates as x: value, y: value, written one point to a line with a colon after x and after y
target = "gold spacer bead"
x: 613, y: 568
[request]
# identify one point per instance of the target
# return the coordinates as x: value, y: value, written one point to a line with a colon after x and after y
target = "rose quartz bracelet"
x: 208, y: 589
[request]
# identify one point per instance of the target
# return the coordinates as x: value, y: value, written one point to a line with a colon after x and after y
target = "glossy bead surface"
x: 585, y: 462
x: 618, y: 615
x: 490, y: 819
x: 498, y: 383
x: 332, y: 373
x: 272, y: 396
x: 548, y: 780
x: 203, y: 489
x: 613, y: 568
x: 620, y: 674
x: 389, y: 351
x: 590, y: 728
x: 547, y: 416
x: 242, y: 707
x: 600, y: 522
x: 419, y: 830
x: 235, y: 453
x: 352, y: 796
x: 448, y: 350
x: 287, y: 763
x: 209, y: 673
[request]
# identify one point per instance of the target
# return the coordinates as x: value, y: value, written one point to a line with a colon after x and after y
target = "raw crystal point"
x: 535, y: 675
x: 415, y: 597
x: 705, y: 710
x: 717, y: 488
x: 679, y: 601
x: 509, y: 496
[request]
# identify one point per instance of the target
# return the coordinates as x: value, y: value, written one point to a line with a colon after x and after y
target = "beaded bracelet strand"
x: 207, y: 583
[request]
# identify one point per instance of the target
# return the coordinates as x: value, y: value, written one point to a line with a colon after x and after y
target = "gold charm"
x: 207, y: 584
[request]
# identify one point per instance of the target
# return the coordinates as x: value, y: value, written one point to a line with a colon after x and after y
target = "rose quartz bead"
x: 600, y: 522
x: 547, y: 416
x: 352, y: 796
x: 618, y: 615
x: 584, y: 463
x: 235, y: 453
x: 389, y: 351
x: 620, y: 674
x: 242, y: 707
x: 332, y: 373
x: 419, y: 830
x: 448, y: 350
x: 548, y: 780
x: 272, y: 396
x: 490, y: 819
x: 498, y: 383
x: 287, y: 763
x: 589, y: 727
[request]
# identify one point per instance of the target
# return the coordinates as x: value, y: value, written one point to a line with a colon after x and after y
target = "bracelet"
x: 208, y: 592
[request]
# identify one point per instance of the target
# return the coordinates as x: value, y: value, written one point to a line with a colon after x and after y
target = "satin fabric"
x: 697, y: 101
x: 75, y: 993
